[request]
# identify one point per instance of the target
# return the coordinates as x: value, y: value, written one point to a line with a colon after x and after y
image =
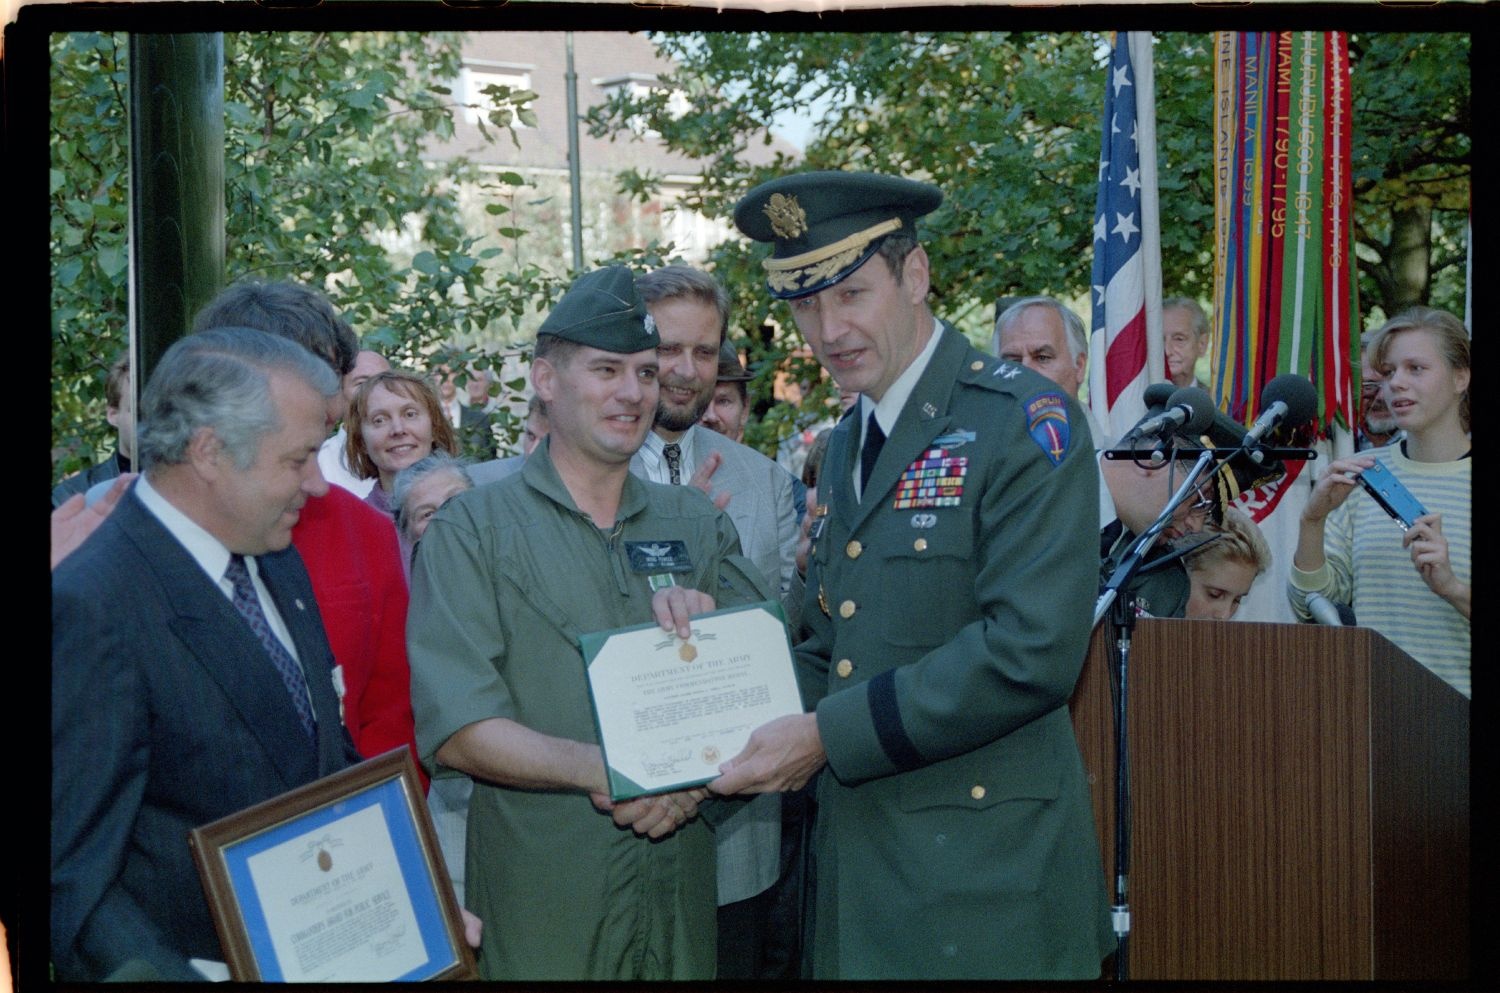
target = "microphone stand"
x: 1122, y: 619
x: 1119, y: 603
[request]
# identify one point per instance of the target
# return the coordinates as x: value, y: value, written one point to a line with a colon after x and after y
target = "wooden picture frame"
x: 338, y: 880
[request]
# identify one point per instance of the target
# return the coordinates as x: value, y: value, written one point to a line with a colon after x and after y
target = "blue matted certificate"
x: 338, y: 881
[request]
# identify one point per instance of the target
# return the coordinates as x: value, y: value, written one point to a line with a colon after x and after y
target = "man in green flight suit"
x: 569, y: 885
x: 949, y: 602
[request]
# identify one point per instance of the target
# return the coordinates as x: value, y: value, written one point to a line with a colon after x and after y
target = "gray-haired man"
x: 191, y: 677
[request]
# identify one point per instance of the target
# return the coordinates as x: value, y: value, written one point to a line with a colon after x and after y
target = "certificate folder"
x: 669, y: 711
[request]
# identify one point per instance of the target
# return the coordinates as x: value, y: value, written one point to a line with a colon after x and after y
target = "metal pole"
x: 574, y: 176
x: 176, y: 188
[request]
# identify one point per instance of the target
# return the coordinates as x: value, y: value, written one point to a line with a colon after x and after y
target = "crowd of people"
x: 285, y: 497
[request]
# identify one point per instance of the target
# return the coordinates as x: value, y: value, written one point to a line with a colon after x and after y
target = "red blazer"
x: 350, y: 552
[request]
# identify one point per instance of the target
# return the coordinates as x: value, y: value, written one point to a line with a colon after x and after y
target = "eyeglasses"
x: 1201, y: 508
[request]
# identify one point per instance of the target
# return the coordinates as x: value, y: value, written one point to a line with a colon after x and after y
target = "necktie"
x: 248, y: 604
x: 874, y: 441
x: 673, y: 455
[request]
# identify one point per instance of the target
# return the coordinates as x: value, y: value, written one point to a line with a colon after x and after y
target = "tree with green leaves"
x: 1007, y: 124
x: 1412, y: 164
x: 325, y: 184
x: 88, y: 187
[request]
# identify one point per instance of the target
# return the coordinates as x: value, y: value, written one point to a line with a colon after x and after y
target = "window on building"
x: 479, y: 74
x: 638, y: 85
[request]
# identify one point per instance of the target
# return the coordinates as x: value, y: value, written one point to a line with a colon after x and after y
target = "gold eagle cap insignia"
x: 788, y: 219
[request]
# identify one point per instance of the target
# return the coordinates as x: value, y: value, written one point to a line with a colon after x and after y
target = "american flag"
x: 1125, y: 348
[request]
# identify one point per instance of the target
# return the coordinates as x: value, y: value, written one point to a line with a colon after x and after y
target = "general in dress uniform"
x: 950, y: 590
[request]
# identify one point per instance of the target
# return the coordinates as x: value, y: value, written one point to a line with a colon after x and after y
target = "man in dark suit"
x: 191, y: 677
x: 947, y: 605
x: 118, y: 410
x: 476, y: 436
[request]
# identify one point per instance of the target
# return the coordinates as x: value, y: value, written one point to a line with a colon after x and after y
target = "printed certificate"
x: 336, y: 881
x: 669, y: 711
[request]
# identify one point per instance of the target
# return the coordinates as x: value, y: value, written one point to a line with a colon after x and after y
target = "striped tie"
x: 248, y: 604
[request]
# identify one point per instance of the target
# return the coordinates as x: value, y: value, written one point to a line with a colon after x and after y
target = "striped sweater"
x: 1367, y: 568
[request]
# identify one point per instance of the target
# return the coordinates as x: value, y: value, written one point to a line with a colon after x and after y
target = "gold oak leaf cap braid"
x: 824, y: 225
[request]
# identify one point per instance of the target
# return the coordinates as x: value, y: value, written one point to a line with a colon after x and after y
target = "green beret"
x: 731, y: 370
x: 602, y: 310
x: 825, y: 225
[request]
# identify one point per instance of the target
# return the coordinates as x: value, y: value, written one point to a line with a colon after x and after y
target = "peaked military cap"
x: 1239, y: 472
x: 602, y: 310
x: 825, y: 225
x: 731, y: 370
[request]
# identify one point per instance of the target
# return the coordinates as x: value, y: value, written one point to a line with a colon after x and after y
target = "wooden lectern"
x: 1300, y: 803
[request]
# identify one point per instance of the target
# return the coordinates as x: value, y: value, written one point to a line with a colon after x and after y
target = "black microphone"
x: 1189, y: 411
x: 1289, y: 399
x: 1157, y: 394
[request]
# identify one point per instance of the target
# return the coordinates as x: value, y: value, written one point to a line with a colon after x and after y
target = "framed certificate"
x: 340, y: 880
x: 668, y: 711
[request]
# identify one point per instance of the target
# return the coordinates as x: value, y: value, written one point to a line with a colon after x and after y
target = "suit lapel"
x: 222, y: 644
x: 924, y: 418
x: 731, y: 476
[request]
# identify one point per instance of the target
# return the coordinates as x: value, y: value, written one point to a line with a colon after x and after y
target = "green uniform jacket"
x: 955, y: 834
x: 507, y: 577
x: 1161, y: 589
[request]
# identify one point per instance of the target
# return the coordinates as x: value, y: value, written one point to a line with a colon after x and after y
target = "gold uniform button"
x: 854, y: 548
x: 844, y: 668
x: 977, y: 364
x: 920, y: 544
x: 977, y: 793
x: 846, y: 609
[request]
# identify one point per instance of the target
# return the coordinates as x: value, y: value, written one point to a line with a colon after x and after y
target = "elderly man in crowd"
x: 1184, y: 328
x: 1046, y: 337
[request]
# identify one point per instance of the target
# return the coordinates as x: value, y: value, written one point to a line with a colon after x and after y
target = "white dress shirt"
x: 656, y: 463
x: 211, y: 555
x: 888, y: 410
